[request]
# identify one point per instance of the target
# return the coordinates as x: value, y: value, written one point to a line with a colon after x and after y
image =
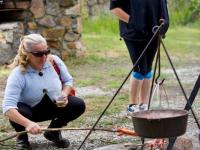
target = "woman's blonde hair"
x: 26, y: 45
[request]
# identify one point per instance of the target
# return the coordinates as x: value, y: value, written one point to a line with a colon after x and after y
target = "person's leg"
x: 151, y: 52
x: 135, y: 88
x: 144, y: 94
x: 47, y: 110
x: 135, y: 49
x: 146, y: 87
x: 134, y: 93
x: 22, y: 140
x: 73, y: 110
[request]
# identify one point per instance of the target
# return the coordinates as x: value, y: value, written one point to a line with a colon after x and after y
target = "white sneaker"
x: 143, y: 107
x: 132, y: 109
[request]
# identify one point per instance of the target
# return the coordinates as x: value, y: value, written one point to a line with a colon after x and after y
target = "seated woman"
x: 31, y: 91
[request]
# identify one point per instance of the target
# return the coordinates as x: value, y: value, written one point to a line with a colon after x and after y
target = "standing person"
x: 31, y: 91
x: 136, y: 20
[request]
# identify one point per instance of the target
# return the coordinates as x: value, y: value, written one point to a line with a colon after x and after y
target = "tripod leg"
x: 142, y: 147
x: 192, y: 97
x: 193, y: 94
x: 180, y: 84
x: 184, y: 93
x: 172, y: 141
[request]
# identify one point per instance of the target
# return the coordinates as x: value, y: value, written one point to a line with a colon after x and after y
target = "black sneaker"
x: 56, y: 137
x: 23, y: 144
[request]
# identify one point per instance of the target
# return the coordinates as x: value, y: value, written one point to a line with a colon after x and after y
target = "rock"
x: 37, y: 8
x: 71, y: 36
x: 64, y: 55
x: 6, y: 53
x: 79, y: 28
x: 54, y: 44
x: 76, y: 9
x: 47, y: 21
x: 2, y: 38
x: 113, y: 147
x: 91, y: 2
x: 73, y: 11
x: 64, y: 20
x: 54, y: 32
x: 74, y: 45
x: 23, y: 4
x: 53, y: 8
x: 10, y: 26
x: 9, y: 36
x: 9, y: 4
x: 66, y: 3
x: 183, y: 144
x: 32, y: 26
x: 80, y: 53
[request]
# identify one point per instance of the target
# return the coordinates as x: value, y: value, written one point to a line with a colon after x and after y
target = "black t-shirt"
x: 144, y: 15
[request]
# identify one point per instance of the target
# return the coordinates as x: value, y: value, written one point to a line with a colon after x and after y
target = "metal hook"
x: 155, y: 28
x: 161, y: 82
x: 159, y: 65
x: 162, y: 22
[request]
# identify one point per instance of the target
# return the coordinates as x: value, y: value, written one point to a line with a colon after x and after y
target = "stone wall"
x: 59, y: 21
x: 93, y: 8
x: 10, y: 34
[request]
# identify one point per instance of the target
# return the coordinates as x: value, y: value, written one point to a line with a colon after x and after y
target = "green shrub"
x: 184, y: 12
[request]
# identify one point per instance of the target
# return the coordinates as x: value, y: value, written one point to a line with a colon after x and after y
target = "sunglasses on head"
x: 40, y: 53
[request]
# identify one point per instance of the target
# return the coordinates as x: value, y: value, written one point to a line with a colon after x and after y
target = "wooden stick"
x: 54, y: 129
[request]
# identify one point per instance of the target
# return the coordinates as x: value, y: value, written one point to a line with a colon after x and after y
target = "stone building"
x: 59, y: 21
x: 94, y: 8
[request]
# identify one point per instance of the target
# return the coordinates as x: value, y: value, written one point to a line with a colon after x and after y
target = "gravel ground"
x: 99, y: 139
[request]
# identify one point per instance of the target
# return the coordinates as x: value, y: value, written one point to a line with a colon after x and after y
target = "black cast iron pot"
x: 160, y: 123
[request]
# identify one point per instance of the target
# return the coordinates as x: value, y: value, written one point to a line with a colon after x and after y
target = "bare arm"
x: 30, y: 126
x: 121, y: 14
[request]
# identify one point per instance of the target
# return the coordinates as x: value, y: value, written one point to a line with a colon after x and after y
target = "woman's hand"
x: 33, y: 128
x: 121, y: 14
x: 65, y: 98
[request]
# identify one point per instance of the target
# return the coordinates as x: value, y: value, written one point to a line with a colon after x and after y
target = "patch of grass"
x: 183, y: 40
x: 89, y: 82
x: 9, y: 145
x: 101, y: 25
x: 4, y: 72
x: 195, y: 24
x: 4, y: 125
x: 104, y: 45
x: 96, y: 105
x: 119, y: 104
x: 183, y: 46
